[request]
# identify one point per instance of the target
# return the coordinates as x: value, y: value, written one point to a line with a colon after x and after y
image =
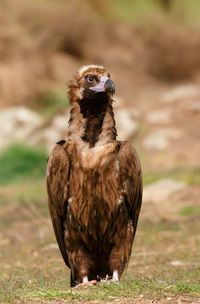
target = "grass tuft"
x: 19, y: 163
x: 189, y: 175
x: 190, y: 210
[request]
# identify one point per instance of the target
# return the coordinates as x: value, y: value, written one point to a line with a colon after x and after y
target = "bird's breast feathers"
x: 95, y: 190
x: 97, y: 157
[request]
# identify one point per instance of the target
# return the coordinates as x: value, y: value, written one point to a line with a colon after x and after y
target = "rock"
x: 125, y: 123
x: 160, y: 139
x: 161, y: 190
x: 181, y: 92
x: 50, y: 135
x: 16, y: 124
x: 159, y: 117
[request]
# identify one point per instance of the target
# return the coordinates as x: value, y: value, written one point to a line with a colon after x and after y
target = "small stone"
x: 161, y: 282
x: 176, y: 263
x: 112, y: 297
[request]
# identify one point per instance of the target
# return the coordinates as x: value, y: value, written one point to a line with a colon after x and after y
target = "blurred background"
x: 152, y: 50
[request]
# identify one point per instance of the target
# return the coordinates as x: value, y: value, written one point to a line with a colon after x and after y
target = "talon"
x: 86, y: 284
x: 105, y: 280
x: 93, y: 282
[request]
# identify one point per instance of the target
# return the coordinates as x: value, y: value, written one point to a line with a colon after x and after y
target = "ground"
x: 164, y: 266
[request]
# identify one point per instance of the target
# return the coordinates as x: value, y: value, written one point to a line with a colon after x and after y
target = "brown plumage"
x: 94, y: 184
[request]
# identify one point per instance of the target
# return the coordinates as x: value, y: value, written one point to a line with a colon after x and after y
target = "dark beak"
x: 109, y: 86
x: 105, y: 85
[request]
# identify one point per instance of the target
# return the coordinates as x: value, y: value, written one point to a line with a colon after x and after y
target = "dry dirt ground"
x: 164, y: 268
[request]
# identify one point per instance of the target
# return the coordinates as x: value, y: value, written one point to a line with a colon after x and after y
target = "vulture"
x: 94, y: 184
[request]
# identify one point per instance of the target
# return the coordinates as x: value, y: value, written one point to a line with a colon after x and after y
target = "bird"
x: 94, y: 184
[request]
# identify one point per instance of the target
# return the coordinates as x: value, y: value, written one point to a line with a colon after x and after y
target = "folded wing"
x: 57, y: 190
x: 131, y: 180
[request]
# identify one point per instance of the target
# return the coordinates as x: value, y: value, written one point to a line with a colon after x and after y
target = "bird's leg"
x: 115, y: 277
x: 120, y: 253
x: 85, y: 280
x: 117, y: 263
x: 82, y: 264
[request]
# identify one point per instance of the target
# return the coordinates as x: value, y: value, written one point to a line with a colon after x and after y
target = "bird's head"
x: 91, y: 82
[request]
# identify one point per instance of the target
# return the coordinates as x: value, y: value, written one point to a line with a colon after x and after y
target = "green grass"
x: 189, y: 175
x: 19, y: 163
x: 38, y: 287
x: 29, y: 271
x: 186, y: 287
x: 187, y: 11
x: 190, y: 210
x: 125, y: 289
x: 133, y: 11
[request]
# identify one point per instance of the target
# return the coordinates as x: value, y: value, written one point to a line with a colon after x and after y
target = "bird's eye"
x: 90, y: 78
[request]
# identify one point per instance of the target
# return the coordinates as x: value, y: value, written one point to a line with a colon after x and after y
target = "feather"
x: 57, y: 189
x: 94, y: 185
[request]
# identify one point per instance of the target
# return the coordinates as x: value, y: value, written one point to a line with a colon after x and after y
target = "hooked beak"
x: 105, y: 85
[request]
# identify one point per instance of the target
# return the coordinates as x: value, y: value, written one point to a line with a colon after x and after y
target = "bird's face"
x: 94, y: 81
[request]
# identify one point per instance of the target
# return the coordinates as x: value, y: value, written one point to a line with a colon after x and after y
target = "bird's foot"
x: 106, y: 280
x: 89, y: 283
x: 86, y: 283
